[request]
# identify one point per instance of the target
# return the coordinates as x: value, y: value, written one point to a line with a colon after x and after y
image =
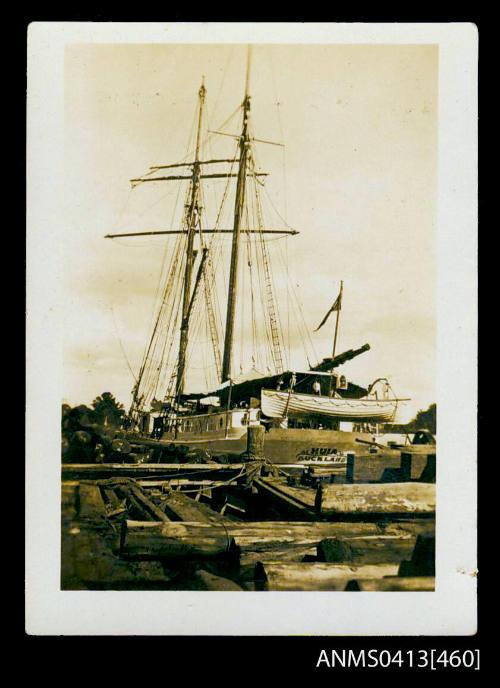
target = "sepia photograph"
x: 252, y: 394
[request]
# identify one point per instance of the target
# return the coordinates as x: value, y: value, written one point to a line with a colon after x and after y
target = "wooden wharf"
x: 120, y: 533
x: 250, y: 526
x: 95, y: 471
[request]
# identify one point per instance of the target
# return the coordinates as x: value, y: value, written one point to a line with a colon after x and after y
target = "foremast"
x: 192, y: 220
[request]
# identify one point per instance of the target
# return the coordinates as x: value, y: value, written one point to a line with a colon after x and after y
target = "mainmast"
x: 238, y: 214
x: 192, y: 218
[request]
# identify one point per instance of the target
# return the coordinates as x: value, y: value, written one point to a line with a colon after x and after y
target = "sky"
x: 357, y: 178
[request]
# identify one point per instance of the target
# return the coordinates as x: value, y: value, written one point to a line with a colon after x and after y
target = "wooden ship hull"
x: 292, y: 446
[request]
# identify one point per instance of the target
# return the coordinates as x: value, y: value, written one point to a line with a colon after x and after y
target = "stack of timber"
x: 131, y: 530
x: 270, y: 556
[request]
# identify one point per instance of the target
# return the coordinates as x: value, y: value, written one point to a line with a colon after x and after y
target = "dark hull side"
x: 285, y: 445
x: 299, y: 448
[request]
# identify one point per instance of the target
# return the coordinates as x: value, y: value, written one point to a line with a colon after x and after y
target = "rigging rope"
x: 274, y: 320
x: 159, y: 364
x: 278, y: 104
x: 121, y: 345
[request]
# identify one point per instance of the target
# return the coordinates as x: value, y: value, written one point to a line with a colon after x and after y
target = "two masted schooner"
x: 311, y: 414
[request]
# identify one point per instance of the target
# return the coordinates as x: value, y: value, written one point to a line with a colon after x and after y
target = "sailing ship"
x: 312, y: 414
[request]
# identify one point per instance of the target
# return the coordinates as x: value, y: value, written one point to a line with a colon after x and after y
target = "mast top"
x: 247, y: 82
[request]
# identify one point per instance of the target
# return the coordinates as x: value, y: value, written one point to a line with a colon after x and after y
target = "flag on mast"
x: 336, y: 307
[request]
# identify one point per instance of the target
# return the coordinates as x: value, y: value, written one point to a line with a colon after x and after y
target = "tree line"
x: 94, y: 433
x: 424, y: 420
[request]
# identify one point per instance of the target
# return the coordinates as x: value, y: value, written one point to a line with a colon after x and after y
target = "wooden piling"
x: 349, y: 475
x: 428, y: 475
x: 405, y: 468
x: 318, y: 499
x: 372, y: 549
x: 255, y: 442
x: 88, y: 501
x: 423, y: 559
x: 149, y: 540
x: 419, y: 453
x: 302, y: 577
